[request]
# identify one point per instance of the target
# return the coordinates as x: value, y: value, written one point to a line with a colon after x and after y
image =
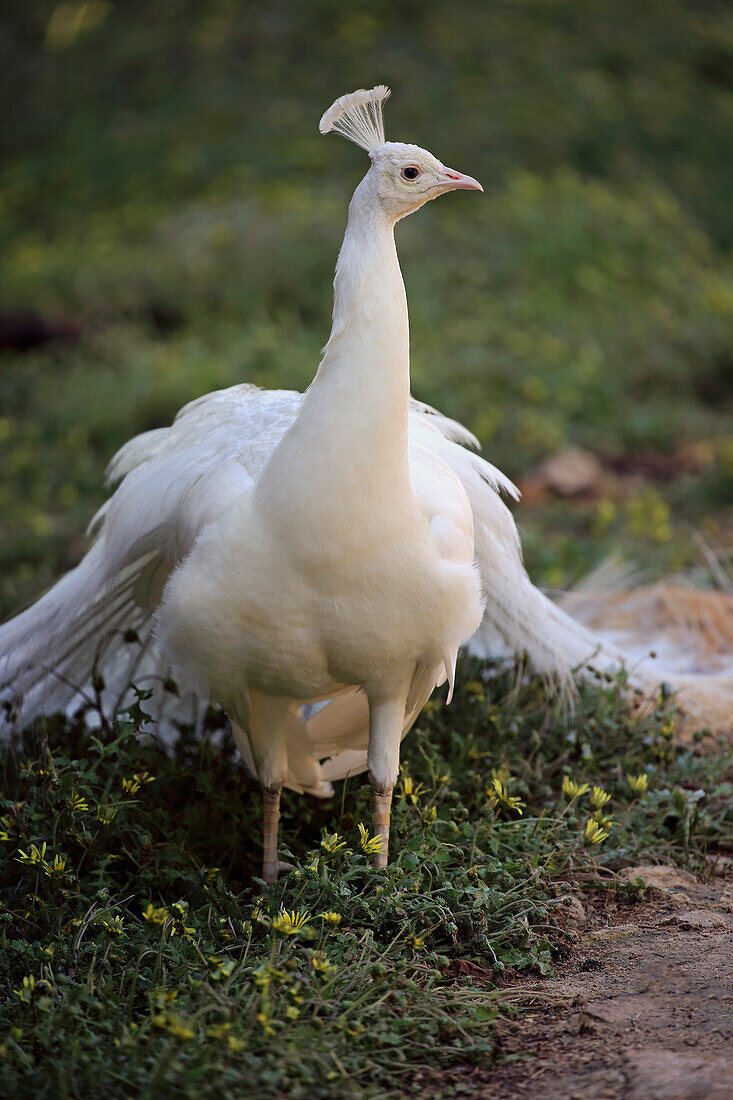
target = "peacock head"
x: 404, y: 177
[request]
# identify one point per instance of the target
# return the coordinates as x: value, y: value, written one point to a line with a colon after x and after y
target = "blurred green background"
x: 170, y: 218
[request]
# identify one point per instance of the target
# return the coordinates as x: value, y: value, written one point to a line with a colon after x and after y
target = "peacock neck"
x: 346, y: 454
x: 362, y: 388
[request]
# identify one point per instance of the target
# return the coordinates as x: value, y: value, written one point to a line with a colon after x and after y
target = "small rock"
x: 615, y: 932
x: 700, y: 920
x: 571, y: 911
x: 619, y: 1013
x: 572, y: 472
x: 662, y: 877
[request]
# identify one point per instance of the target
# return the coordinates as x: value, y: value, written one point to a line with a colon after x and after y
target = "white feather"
x: 358, y: 117
x: 283, y: 550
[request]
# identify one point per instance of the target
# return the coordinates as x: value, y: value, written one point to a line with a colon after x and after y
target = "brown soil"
x: 642, y: 1011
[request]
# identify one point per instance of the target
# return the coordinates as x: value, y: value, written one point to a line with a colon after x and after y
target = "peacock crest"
x: 358, y: 117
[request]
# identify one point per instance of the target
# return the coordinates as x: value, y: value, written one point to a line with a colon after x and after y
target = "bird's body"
x: 284, y: 550
x: 348, y: 558
x: 281, y: 550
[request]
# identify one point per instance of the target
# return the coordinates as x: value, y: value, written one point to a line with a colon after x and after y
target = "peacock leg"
x: 380, y: 817
x: 386, y: 719
x: 270, y: 827
x: 260, y: 725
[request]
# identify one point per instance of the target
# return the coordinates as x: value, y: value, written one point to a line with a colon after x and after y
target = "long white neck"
x: 351, y: 431
x: 364, y: 376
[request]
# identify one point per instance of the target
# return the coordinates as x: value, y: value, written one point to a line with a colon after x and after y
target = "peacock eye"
x: 410, y: 172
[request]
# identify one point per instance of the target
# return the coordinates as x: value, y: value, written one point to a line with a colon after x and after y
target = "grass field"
x: 142, y: 957
x: 166, y: 196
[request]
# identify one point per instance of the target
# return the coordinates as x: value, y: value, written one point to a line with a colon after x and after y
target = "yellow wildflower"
x: 34, y: 857
x: 259, y: 913
x: 573, y: 790
x: 225, y: 930
x: 57, y: 869
x: 290, y: 923
x: 114, y: 925
x: 498, y: 795
x: 411, y: 790
x: 36, y: 769
x: 163, y: 996
x: 180, y: 929
x: 331, y: 917
x: 29, y: 988
x: 264, y: 1021
x: 155, y: 916
x: 224, y: 970
x: 26, y: 990
x: 638, y: 783
x: 78, y: 804
x: 369, y: 844
x: 180, y: 1028
x: 599, y: 798
x: 332, y: 843
x: 106, y: 814
x: 321, y: 963
x: 594, y: 834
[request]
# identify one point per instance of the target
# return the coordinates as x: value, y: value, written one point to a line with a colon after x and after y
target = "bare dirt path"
x: 642, y: 1011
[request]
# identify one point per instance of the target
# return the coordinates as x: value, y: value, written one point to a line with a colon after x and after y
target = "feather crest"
x: 358, y: 117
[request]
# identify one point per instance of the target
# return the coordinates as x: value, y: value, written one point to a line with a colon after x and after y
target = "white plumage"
x: 281, y: 550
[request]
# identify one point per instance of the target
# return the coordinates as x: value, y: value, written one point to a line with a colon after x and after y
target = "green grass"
x: 164, y: 187
x: 141, y: 956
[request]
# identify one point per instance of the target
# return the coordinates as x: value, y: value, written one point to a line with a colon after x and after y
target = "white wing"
x: 177, y: 480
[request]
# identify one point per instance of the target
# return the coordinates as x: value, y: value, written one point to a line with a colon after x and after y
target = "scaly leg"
x: 380, y: 817
x: 271, y: 821
x: 260, y: 730
x: 386, y: 719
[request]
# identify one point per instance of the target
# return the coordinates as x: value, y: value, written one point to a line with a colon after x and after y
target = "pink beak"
x: 456, y: 181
